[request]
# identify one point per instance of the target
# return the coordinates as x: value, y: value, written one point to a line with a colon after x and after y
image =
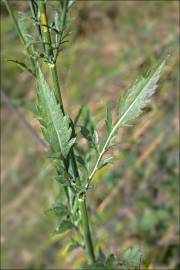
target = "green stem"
x: 51, y: 66
x: 55, y: 81
x: 56, y: 87
x: 52, y: 71
x: 86, y: 230
x: 45, y: 31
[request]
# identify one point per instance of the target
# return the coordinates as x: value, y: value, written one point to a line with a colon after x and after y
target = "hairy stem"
x: 72, y: 160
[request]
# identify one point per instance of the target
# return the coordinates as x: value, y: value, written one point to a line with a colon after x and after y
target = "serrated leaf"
x: 139, y: 96
x: 56, y: 130
x: 131, y: 107
x: 64, y: 226
x: 132, y: 258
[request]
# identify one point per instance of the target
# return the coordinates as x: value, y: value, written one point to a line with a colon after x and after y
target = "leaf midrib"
x: 117, y: 125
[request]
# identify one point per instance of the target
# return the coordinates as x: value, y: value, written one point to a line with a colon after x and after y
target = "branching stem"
x: 72, y: 160
x: 56, y: 87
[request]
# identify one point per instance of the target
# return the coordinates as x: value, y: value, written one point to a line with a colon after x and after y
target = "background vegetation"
x: 137, y: 198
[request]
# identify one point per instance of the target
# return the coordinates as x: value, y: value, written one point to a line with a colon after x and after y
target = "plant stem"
x: 72, y: 160
x: 51, y: 66
x: 87, y: 234
x: 55, y: 81
x: 45, y: 31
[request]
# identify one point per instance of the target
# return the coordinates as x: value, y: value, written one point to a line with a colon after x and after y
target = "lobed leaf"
x: 131, y: 107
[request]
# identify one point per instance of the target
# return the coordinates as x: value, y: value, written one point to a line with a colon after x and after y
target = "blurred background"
x: 136, y: 199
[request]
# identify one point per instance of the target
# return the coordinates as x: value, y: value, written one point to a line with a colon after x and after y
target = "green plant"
x: 75, y: 165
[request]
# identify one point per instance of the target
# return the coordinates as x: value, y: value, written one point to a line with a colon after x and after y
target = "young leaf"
x: 57, y: 130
